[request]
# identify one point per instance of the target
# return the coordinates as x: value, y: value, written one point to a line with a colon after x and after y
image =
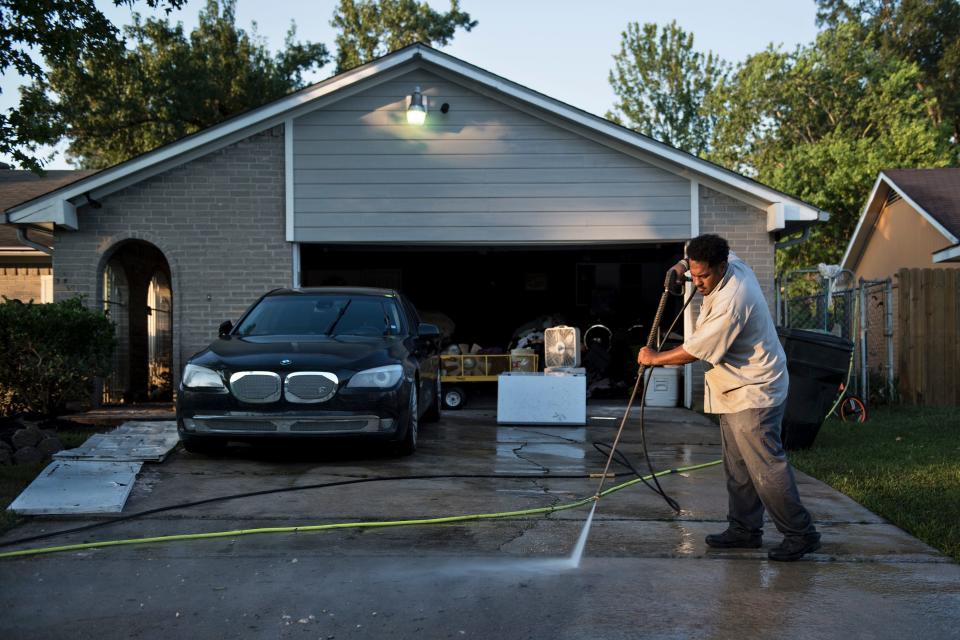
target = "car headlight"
x: 197, y: 377
x: 379, y: 377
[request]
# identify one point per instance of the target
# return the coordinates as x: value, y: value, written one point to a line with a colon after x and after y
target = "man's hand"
x: 676, y: 276
x: 680, y: 269
x: 647, y: 356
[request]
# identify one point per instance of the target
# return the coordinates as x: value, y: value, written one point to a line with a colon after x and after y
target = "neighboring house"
x: 911, y: 220
x: 25, y: 271
x: 908, y: 236
x: 504, y: 206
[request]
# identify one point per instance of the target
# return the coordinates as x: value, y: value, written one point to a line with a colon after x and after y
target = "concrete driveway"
x: 646, y: 571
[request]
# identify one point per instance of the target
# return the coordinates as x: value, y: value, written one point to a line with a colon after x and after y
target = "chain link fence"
x: 859, y: 310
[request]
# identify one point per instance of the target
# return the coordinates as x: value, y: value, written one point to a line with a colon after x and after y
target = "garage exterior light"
x: 417, y: 109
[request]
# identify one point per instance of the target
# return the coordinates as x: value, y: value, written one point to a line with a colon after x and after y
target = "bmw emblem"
x: 286, y: 362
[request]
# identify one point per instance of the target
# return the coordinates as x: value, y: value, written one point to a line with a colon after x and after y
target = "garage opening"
x: 486, y: 295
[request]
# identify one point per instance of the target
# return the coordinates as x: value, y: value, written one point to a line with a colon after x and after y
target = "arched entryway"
x: 137, y: 296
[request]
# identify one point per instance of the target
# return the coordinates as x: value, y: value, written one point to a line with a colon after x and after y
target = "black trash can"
x: 818, y: 364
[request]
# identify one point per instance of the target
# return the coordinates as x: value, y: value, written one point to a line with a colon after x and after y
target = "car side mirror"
x: 225, y: 328
x: 426, y: 330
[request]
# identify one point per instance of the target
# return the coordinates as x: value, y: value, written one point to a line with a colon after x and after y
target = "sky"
x: 562, y: 48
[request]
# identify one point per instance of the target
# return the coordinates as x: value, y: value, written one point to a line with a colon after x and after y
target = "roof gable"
x: 933, y: 193
x: 783, y: 211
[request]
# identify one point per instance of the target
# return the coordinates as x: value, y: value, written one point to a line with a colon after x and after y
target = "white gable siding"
x: 483, y: 173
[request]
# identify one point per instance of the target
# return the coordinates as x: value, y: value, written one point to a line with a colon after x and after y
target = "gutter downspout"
x: 792, y: 242
x: 24, y: 240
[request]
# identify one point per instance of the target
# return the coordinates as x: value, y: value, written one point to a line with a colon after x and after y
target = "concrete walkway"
x: 646, y: 571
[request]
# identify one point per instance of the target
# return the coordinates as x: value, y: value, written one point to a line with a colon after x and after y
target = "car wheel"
x: 202, y: 445
x: 454, y: 398
x: 432, y: 414
x: 409, y: 443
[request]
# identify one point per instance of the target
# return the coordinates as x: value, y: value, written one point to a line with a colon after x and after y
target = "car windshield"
x: 329, y: 314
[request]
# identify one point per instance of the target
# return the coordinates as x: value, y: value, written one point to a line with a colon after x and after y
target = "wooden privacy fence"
x: 929, y: 336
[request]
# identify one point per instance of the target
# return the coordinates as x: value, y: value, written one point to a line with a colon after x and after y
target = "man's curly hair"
x: 709, y: 248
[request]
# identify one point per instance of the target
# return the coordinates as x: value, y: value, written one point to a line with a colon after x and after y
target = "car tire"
x: 202, y: 445
x: 454, y: 398
x: 432, y: 414
x: 409, y: 443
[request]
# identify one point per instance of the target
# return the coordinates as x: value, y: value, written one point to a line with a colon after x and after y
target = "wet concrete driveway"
x: 646, y: 571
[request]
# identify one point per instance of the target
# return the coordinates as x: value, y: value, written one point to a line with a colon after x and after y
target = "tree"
x: 369, y: 29
x: 820, y: 123
x: 924, y: 32
x: 118, y: 102
x: 61, y: 30
x: 661, y: 83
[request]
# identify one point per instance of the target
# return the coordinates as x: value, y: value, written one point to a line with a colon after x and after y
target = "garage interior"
x: 490, y: 292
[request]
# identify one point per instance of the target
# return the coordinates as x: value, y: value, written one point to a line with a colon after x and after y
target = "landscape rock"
x: 28, y: 455
x: 49, y: 446
x: 26, y: 437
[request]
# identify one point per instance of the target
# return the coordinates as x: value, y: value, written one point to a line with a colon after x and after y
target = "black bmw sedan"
x: 324, y: 362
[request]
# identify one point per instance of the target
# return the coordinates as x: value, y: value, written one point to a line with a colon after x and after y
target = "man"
x: 746, y: 383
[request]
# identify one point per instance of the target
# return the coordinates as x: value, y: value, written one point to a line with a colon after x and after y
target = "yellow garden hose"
x: 351, y: 525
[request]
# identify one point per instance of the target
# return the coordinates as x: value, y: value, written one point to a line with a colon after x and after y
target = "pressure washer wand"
x: 669, y: 283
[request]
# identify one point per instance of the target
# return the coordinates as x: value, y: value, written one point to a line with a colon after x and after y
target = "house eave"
x: 865, y: 224
x: 784, y: 213
x: 687, y: 164
x: 43, y: 208
x: 790, y: 217
x: 950, y: 254
x: 58, y: 211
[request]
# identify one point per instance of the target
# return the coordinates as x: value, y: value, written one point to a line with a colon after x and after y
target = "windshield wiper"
x: 342, y: 311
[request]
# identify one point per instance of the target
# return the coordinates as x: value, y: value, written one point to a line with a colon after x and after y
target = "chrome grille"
x: 310, y: 386
x: 255, y: 386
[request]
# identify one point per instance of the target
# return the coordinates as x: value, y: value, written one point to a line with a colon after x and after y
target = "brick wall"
x: 745, y: 228
x: 218, y: 220
x: 22, y: 282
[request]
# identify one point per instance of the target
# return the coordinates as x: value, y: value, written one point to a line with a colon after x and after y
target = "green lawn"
x: 902, y: 464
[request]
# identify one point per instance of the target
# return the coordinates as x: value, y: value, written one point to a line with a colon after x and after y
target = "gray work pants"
x: 758, y: 474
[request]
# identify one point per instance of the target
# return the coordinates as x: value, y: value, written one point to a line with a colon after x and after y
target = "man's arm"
x: 652, y: 357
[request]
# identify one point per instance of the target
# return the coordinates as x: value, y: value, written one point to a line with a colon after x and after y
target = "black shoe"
x: 794, y: 547
x: 731, y: 539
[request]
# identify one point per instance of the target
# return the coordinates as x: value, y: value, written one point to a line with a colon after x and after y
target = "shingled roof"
x: 936, y: 190
x: 20, y: 186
